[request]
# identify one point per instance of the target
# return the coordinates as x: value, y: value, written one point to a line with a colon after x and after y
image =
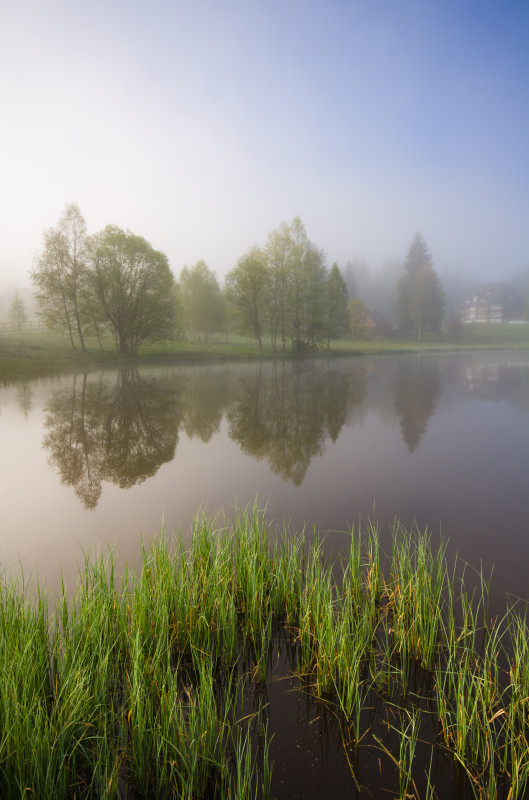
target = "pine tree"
x: 336, y: 311
x: 421, y: 299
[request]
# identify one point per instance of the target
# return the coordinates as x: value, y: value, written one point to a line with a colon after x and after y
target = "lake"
x: 107, y: 458
x: 440, y: 440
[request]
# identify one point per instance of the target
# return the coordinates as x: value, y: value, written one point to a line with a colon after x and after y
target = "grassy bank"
x: 34, y: 353
x: 149, y: 686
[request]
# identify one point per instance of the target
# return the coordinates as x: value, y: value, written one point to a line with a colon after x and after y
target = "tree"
x: 308, y: 324
x: 247, y: 288
x: 426, y: 302
x: 17, y: 313
x: 60, y: 275
x: 421, y: 299
x: 350, y: 280
x: 279, y: 254
x: 358, y: 319
x: 418, y: 255
x: 295, y: 300
x: 134, y: 287
x: 202, y: 301
x: 336, y: 310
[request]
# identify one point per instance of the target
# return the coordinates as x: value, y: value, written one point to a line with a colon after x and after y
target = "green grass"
x: 138, y: 686
x: 37, y: 352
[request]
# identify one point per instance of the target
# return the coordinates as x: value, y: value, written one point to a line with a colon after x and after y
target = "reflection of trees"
x: 356, y: 389
x: 120, y: 432
x: 24, y: 397
x: 141, y: 427
x: 418, y: 387
x: 75, y: 447
x: 204, y: 397
x: 285, y: 412
x: 122, y: 427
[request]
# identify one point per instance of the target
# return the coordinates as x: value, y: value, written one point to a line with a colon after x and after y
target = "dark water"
x: 443, y: 440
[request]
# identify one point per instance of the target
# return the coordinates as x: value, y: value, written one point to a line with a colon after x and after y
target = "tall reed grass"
x: 138, y: 686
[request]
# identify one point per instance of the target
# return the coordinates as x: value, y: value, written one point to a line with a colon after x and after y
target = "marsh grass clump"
x: 153, y: 685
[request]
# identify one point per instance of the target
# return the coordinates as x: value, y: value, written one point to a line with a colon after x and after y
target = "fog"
x: 202, y: 126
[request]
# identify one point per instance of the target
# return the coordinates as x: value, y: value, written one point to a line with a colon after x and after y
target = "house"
x: 493, y: 302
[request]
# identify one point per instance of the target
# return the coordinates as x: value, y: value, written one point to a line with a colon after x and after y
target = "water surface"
x: 108, y: 457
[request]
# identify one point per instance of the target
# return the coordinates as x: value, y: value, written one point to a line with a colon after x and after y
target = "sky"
x: 202, y: 125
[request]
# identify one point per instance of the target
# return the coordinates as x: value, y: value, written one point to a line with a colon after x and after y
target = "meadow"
x: 35, y: 352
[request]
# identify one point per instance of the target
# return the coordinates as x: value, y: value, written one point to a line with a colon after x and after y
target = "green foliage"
x: 247, y: 290
x: 112, y: 280
x: 278, y: 252
x: 201, y: 301
x: 134, y: 287
x: 358, y: 319
x: 336, y: 309
x: 310, y: 296
x: 61, y: 275
x: 296, y: 293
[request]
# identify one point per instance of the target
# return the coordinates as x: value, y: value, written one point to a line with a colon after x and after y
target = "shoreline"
x: 44, y: 354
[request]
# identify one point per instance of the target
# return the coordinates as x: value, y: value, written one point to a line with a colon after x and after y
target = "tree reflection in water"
x: 122, y: 428
x: 418, y: 387
x: 204, y: 397
x: 119, y: 431
x: 286, y: 411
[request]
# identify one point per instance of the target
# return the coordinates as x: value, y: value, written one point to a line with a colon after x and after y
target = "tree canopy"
x: 114, y: 281
x: 60, y: 275
x: 247, y: 290
x: 111, y: 280
x: 336, y: 311
x: 202, y: 303
x: 358, y: 319
x: 134, y: 286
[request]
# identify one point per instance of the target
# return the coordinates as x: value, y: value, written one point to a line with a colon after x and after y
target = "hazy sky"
x: 202, y: 125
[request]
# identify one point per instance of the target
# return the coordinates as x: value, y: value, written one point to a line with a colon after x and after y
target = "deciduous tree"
x: 295, y: 299
x: 134, y: 287
x: 201, y: 300
x: 358, y: 319
x: 278, y: 251
x: 247, y: 286
x: 17, y: 313
x: 60, y: 275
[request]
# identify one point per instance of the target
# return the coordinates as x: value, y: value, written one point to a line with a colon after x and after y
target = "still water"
x: 442, y: 440
x: 89, y: 460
